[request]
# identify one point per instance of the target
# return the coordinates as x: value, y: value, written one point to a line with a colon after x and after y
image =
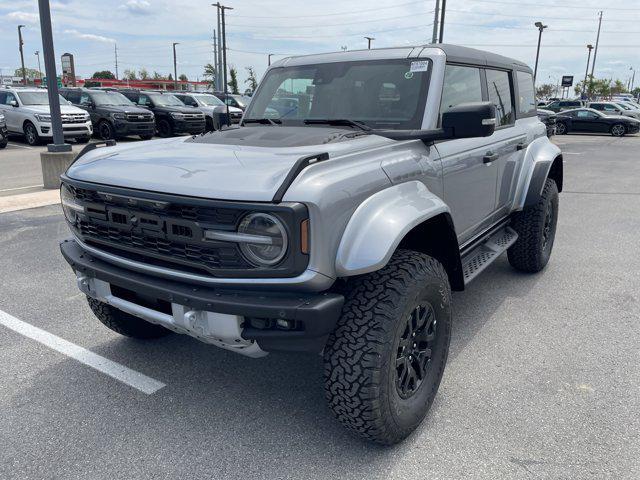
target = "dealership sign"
x: 567, y: 80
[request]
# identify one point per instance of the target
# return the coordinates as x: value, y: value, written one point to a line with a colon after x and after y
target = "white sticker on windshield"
x: 421, y: 66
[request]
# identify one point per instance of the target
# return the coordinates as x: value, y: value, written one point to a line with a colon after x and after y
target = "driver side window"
x: 85, y: 99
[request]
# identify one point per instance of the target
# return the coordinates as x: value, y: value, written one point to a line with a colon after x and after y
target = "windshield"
x: 379, y: 94
x: 623, y: 106
x: 110, y: 98
x: 209, y: 100
x: 163, y: 100
x: 38, y: 98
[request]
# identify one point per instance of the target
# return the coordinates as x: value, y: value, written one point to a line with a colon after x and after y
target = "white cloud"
x: 23, y: 17
x: 137, y: 7
x: 89, y: 36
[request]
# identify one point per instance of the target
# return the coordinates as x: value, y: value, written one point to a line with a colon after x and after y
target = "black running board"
x: 483, y: 255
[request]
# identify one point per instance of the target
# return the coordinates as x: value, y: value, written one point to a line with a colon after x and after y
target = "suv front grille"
x: 139, y: 117
x: 74, y: 118
x: 168, y: 231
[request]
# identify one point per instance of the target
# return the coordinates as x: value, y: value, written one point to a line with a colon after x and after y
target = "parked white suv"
x: 615, y: 108
x: 27, y: 113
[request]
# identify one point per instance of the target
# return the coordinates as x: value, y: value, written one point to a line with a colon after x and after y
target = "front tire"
x: 618, y: 130
x: 385, y: 359
x: 106, y: 130
x: 146, y: 137
x: 83, y: 139
x: 123, y: 323
x: 31, y: 134
x: 561, y: 128
x: 164, y: 129
x: 536, y: 228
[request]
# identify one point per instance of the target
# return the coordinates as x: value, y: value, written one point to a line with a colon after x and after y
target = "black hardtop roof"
x: 460, y: 54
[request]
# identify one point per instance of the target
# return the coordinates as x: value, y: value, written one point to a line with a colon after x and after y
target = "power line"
x: 582, y: 19
x: 333, y: 14
x: 563, y: 5
x: 323, y: 25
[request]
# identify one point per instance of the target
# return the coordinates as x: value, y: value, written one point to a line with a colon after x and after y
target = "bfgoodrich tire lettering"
x: 536, y: 228
x: 362, y: 354
x: 123, y: 323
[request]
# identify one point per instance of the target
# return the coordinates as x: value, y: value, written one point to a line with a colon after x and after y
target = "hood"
x: 248, y: 163
x: 172, y: 108
x: 123, y: 109
x: 46, y: 109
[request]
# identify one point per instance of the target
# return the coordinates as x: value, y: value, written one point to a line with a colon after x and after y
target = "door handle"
x: 521, y: 146
x: 490, y: 157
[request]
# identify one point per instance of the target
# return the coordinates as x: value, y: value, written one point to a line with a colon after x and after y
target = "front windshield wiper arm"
x: 338, y: 121
x: 262, y: 121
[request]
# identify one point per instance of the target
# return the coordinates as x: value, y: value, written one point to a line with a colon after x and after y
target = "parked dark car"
x: 112, y: 114
x: 216, y: 113
x: 593, y: 121
x: 560, y: 105
x: 549, y: 119
x: 172, y: 116
x: 238, y: 101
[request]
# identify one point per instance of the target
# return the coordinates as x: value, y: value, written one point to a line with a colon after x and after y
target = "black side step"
x: 483, y: 255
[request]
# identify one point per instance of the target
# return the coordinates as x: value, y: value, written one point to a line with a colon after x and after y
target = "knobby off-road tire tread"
x: 352, y: 369
x: 526, y: 253
x: 123, y: 323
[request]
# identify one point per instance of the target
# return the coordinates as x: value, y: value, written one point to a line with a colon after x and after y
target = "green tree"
x: 183, y: 78
x: 210, y: 75
x: 545, y: 90
x: 158, y: 76
x: 144, y: 75
x: 170, y: 77
x: 31, y: 72
x: 233, y: 80
x: 251, y: 79
x: 104, y: 74
x: 618, y: 87
x: 129, y: 75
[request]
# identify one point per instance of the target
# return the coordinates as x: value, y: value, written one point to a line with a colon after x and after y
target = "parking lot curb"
x: 24, y: 201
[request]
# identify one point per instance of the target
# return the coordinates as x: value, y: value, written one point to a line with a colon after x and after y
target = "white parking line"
x: 20, y: 188
x: 115, y: 370
x: 572, y: 153
x: 20, y: 146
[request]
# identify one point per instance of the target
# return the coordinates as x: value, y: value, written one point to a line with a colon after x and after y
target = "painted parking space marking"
x: 19, y: 146
x: 113, y: 369
x: 21, y: 188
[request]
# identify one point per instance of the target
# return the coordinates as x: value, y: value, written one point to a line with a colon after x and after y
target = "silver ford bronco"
x: 335, y: 222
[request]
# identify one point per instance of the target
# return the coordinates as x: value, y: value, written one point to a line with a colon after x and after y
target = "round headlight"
x: 69, y: 205
x: 271, y: 239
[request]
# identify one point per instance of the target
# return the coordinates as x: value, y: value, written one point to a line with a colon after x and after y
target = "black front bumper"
x: 124, y: 128
x: 192, y: 128
x: 316, y: 314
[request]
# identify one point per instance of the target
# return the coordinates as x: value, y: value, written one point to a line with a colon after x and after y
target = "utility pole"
x: 115, y: 51
x: 37, y: 54
x: 224, y: 44
x: 175, y: 68
x: 434, y: 36
x: 595, y: 52
x: 215, y: 57
x: 541, y: 27
x: 584, y: 84
x: 219, y: 75
x: 369, y: 41
x: 20, y: 44
x: 269, y: 59
x: 442, y: 12
x: 58, y: 144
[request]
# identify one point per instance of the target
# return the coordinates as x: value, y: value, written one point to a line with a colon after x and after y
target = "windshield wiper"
x: 263, y: 121
x: 339, y: 122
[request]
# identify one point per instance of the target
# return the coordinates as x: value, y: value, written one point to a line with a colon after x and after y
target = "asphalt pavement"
x: 543, y: 379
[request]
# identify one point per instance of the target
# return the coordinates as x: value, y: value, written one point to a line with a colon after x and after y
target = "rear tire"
x: 385, y: 359
x: 125, y: 324
x: 31, y: 134
x: 618, y: 130
x: 536, y: 228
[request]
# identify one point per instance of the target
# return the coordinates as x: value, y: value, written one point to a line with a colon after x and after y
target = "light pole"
x: 584, y: 84
x: 633, y: 78
x: 442, y: 12
x: 541, y: 27
x: 269, y: 59
x: 434, y: 36
x: 20, y: 44
x: 369, y: 41
x: 175, y: 68
x: 37, y: 54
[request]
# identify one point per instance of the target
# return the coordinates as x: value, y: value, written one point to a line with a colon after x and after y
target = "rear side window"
x: 526, y: 96
x: 461, y: 85
x: 499, y: 87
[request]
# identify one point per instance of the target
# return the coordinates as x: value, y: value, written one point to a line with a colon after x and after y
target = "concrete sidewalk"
x: 23, y: 201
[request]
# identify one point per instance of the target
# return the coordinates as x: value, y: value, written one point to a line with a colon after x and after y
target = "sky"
x: 144, y: 31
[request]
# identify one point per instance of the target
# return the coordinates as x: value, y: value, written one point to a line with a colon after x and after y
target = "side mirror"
x: 13, y: 103
x: 469, y: 120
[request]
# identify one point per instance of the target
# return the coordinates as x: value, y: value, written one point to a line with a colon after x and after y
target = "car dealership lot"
x: 542, y: 380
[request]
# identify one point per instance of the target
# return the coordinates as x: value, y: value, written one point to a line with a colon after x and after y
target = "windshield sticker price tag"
x: 422, y: 66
